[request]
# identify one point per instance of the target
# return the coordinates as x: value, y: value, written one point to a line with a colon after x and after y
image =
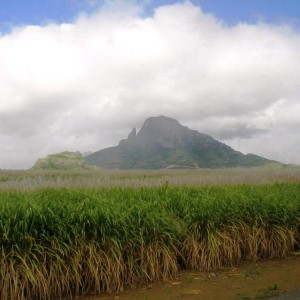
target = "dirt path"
x: 248, y: 281
x: 294, y: 295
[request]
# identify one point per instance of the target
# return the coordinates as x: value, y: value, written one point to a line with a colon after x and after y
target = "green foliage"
x: 251, y: 270
x: 271, y: 291
x: 60, y: 161
x: 59, y: 242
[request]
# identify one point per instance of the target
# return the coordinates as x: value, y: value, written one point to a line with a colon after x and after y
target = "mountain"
x: 60, y: 161
x: 163, y: 142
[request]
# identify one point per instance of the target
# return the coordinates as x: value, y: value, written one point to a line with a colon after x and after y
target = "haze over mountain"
x: 163, y: 142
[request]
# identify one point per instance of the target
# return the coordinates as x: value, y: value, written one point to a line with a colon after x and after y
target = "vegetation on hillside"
x: 60, y: 161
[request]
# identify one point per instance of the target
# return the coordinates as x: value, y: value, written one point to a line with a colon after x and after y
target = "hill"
x: 60, y: 161
x: 163, y: 142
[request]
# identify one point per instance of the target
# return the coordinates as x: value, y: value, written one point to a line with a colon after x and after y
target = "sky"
x: 78, y: 75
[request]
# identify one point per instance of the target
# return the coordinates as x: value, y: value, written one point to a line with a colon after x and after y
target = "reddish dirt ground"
x: 248, y: 281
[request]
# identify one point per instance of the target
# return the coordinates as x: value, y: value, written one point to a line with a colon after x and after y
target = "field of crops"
x: 61, y: 242
x: 30, y: 180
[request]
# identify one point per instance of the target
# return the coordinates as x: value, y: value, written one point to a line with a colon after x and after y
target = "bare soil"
x: 261, y: 280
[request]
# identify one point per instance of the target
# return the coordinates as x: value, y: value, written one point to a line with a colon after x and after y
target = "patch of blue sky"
x: 14, y: 13
x: 253, y: 11
x: 40, y: 12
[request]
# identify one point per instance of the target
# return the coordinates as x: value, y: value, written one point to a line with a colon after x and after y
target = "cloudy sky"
x: 80, y: 74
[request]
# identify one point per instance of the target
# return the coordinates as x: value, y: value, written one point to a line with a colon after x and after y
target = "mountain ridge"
x: 162, y: 142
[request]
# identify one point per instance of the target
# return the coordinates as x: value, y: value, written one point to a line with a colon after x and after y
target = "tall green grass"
x: 58, y: 243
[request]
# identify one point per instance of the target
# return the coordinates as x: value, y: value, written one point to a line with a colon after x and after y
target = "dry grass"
x: 29, y: 180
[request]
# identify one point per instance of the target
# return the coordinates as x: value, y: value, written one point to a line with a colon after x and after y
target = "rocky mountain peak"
x: 163, y: 142
x: 132, y: 135
x: 157, y: 133
x: 161, y: 122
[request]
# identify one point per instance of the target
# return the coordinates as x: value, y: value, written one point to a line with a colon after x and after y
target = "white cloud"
x: 82, y: 86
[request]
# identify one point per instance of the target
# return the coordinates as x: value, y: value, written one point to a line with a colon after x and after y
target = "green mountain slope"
x: 164, y: 143
x: 60, y: 161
